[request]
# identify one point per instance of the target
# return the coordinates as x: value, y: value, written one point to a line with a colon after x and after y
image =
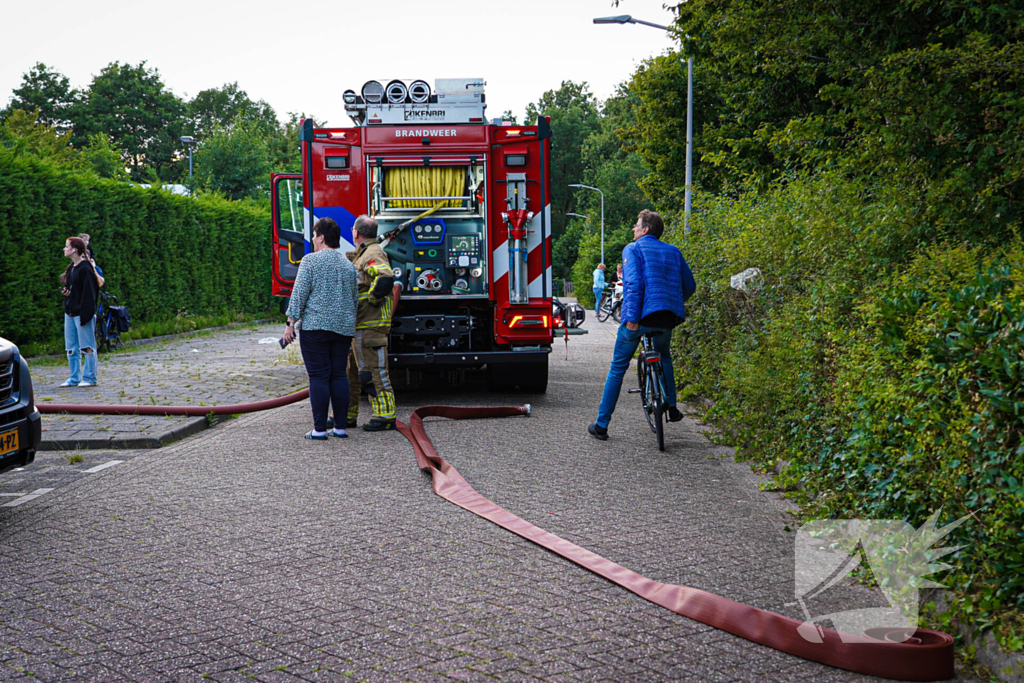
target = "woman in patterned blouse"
x: 323, y: 307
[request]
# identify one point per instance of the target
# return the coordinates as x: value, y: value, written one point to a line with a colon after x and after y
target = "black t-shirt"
x: 665, y: 319
x: 82, y: 299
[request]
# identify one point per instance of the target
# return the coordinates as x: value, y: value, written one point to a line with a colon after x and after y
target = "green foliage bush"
x: 875, y: 366
x: 161, y: 254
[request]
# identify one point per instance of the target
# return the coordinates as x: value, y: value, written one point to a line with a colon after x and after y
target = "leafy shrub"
x: 160, y: 253
x: 875, y: 367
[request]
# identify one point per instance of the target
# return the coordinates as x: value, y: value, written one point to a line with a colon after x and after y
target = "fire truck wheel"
x: 498, y: 377
x: 529, y: 377
x: 533, y: 377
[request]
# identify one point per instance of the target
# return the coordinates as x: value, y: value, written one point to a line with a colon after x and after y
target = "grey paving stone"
x: 247, y: 553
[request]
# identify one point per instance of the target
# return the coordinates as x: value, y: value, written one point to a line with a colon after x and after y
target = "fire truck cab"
x: 463, y: 213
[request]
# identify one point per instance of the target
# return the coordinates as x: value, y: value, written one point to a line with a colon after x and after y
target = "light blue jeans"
x: 76, y: 338
x: 626, y: 342
x: 597, y: 298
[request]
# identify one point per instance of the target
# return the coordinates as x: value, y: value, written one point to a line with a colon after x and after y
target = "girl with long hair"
x: 80, y: 289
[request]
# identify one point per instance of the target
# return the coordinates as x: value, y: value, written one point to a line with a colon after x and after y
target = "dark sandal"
x: 310, y: 435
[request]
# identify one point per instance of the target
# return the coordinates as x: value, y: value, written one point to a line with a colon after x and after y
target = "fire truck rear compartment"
x: 445, y: 321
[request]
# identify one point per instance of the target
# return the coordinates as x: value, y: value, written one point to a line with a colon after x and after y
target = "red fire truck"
x: 463, y: 209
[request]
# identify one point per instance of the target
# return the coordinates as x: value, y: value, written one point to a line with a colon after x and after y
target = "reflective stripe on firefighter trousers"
x: 369, y: 358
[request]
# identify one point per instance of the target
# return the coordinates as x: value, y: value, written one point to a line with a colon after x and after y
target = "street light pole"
x: 588, y: 187
x: 627, y: 19
x: 190, y: 141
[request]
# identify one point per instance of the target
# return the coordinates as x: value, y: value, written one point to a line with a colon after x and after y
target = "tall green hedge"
x: 876, y: 367
x: 162, y: 254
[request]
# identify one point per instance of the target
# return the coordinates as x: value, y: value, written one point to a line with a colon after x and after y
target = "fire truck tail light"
x: 397, y: 92
x: 529, y: 321
x: 373, y: 92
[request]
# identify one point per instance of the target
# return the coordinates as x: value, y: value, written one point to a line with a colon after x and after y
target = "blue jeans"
x: 597, y: 298
x: 76, y: 338
x: 325, y: 355
x: 626, y: 342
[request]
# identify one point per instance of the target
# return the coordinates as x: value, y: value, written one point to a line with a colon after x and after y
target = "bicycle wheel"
x: 603, y: 311
x: 101, y: 333
x: 659, y: 422
x: 617, y: 312
x: 646, y: 392
x: 657, y: 393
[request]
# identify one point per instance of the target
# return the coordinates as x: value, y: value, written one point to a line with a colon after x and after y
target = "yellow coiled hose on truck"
x: 425, y: 181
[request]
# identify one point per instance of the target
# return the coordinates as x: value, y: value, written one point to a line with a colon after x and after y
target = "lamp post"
x: 627, y: 19
x: 588, y: 187
x: 576, y: 215
x: 190, y: 141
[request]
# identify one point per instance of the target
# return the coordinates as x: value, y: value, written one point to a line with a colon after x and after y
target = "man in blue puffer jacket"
x: 657, y: 280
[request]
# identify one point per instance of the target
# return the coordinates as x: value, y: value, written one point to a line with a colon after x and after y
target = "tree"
x: 47, y: 92
x: 283, y: 146
x: 102, y: 158
x: 143, y: 119
x: 23, y: 133
x: 222, y: 107
x: 234, y: 161
x: 656, y: 129
x: 574, y: 116
x: 926, y: 92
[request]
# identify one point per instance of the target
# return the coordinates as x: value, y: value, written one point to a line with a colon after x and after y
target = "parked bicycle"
x: 651, y: 377
x: 611, y: 304
x: 111, y: 321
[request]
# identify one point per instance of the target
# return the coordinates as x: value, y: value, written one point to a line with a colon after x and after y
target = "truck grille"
x: 6, y: 382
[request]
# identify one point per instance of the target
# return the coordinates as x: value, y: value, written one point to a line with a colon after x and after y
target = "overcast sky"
x: 301, y: 56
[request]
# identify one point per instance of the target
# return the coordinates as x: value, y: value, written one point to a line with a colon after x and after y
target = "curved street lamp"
x: 588, y: 187
x: 627, y: 19
x: 191, y: 142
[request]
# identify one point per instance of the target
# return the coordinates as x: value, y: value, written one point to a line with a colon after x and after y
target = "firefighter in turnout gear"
x: 368, y: 360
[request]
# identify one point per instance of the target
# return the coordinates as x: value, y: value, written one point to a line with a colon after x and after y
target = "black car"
x: 20, y: 429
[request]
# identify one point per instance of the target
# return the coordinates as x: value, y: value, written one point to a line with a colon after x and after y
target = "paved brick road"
x: 247, y: 553
x: 224, y: 367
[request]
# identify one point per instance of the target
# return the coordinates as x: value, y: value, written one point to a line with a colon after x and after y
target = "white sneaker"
x: 67, y: 383
x: 87, y: 384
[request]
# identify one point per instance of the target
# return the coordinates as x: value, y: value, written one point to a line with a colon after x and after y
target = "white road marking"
x: 26, y: 498
x: 103, y: 466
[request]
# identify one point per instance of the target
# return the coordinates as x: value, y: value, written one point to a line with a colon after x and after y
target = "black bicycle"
x: 108, y: 332
x: 651, y: 376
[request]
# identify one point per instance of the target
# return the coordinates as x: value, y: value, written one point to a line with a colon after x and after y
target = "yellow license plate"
x: 8, y: 442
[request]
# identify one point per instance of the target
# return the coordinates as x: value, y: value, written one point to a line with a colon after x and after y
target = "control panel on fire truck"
x: 441, y: 254
x: 463, y: 251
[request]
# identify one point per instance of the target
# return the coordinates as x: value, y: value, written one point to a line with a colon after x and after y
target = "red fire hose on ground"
x: 199, y: 411
x: 926, y: 656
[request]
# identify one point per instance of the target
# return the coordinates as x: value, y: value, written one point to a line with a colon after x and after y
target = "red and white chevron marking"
x: 499, y: 259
